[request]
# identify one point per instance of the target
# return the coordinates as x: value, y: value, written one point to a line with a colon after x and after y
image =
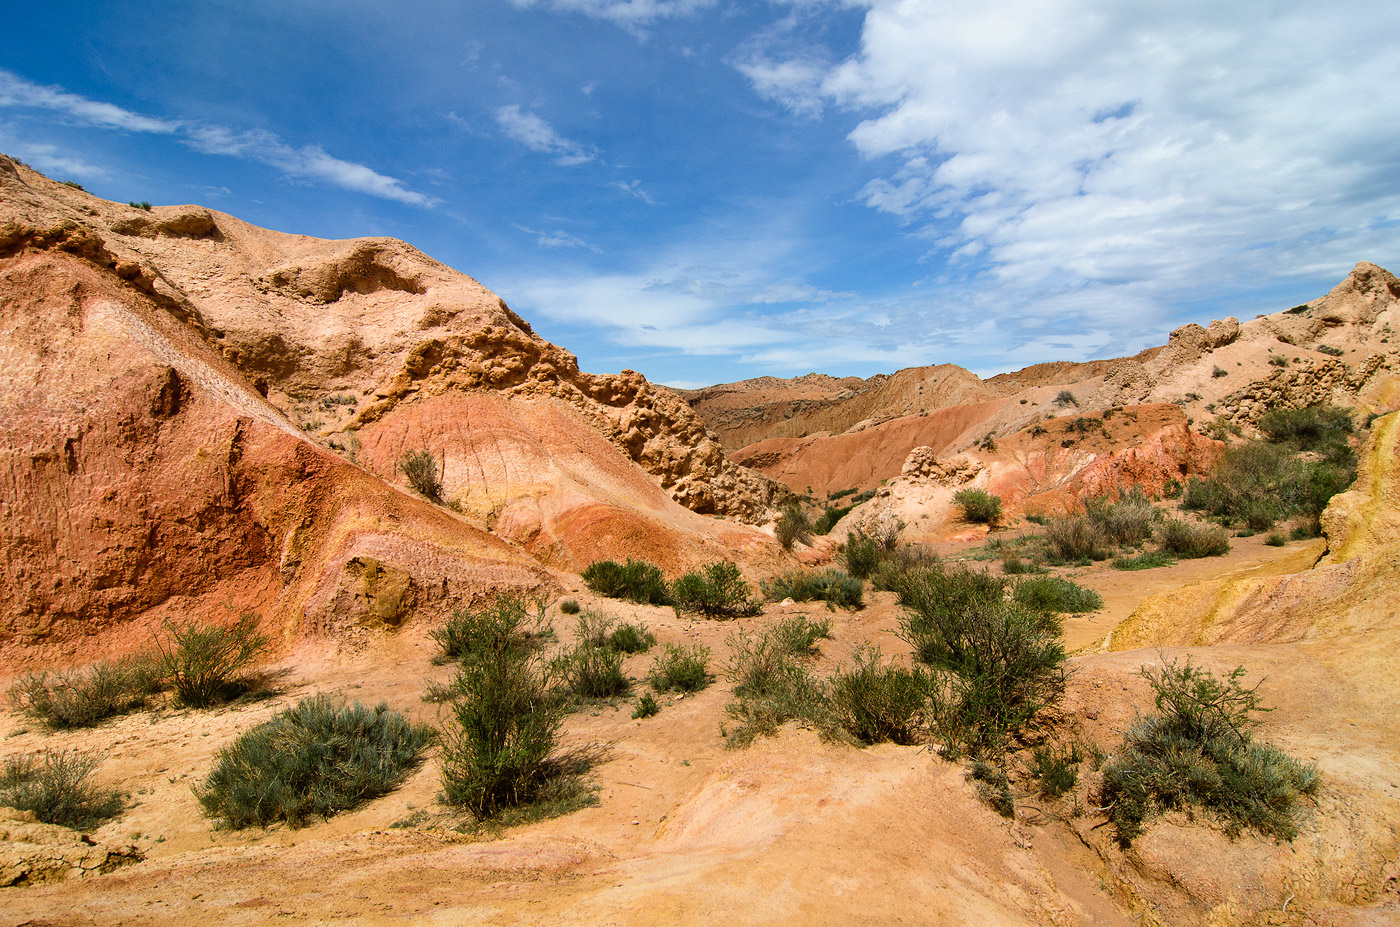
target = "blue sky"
x: 707, y: 190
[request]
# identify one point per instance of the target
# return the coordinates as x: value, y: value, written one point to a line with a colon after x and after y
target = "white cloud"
x: 309, y: 161
x: 18, y: 92
x: 1099, y: 163
x: 534, y: 133
x: 558, y: 239
x: 627, y: 13
x: 50, y: 160
x: 633, y: 188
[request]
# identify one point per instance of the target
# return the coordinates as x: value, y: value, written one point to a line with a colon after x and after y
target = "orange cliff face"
x: 200, y: 418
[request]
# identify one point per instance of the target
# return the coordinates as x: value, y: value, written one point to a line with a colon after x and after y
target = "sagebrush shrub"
x: 799, y: 634
x: 631, y: 638
x: 84, y: 697
x: 997, y: 664
x: 1075, y: 538
x: 1056, y: 768
x: 207, y: 663
x: 313, y: 760
x: 507, y: 619
x: 422, y: 472
x: 979, y: 506
x: 716, y: 590
x: 1190, y: 540
x: 1056, y: 594
x: 590, y: 671
x: 1198, y: 749
x: 636, y: 581
x: 772, y: 686
x: 792, y: 527
x: 875, y: 702
x: 684, y: 669
x: 57, y: 786
x: 831, y: 586
x: 861, y: 555
x: 498, y: 745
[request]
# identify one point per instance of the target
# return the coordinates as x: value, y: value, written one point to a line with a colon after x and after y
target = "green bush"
x: 206, y: 664
x: 505, y: 619
x: 717, y: 590
x: 1275, y: 539
x: 861, y: 554
x: 1199, y: 750
x: 82, y: 698
x: 1144, y: 561
x: 1190, y: 541
x: 829, y: 517
x: 57, y: 787
x: 1065, y: 398
x: 569, y: 607
x: 1012, y: 565
x: 647, y: 706
x: 997, y: 664
x: 498, y: 746
x: 631, y: 638
x: 422, y: 472
x: 1057, y: 594
x: 636, y: 581
x: 683, y: 669
x: 875, y: 702
x: 591, y: 671
x: 1056, y: 768
x: 903, y: 560
x: 978, y: 506
x: 1075, y: 538
x: 993, y: 787
x: 1128, y: 522
x: 792, y: 527
x: 799, y: 634
x: 772, y: 686
x: 830, y: 586
x: 143, y: 205
x: 1311, y: 429
x: 313, y: 760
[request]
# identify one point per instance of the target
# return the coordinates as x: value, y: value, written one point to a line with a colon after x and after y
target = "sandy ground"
x: 789, y: 831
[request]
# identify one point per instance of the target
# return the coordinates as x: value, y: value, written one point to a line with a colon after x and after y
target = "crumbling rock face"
x: 925, y: 464
x: 31, y: 852
x: 1327, y: 381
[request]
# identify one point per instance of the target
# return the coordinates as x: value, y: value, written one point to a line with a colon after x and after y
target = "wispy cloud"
x: 557, y: 239
x: 633, y: 188
x: 309, y: 161
x: 534, y: 133
x: 50, y: 160
x: 630, y: 14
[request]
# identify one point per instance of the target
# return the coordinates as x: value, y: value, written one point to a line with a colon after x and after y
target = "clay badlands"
x: 200, y: 419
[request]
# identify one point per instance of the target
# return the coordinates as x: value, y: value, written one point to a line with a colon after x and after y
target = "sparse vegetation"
x: 1331, y: 350
x: 636, y: 581
x: 75, y: 185
x: 1306, y: 459
x: 591, y: 671
x: 772, y: 686
x: 57, y: 786
x: 1056, y: 769
x: 1075, y: 539
x: 1066, y: 398
x: 631, y: 638
x: 504, y: 620
x: 860, y: 555
x: 647, y: 706
x: 422, y: 472
x: 1198, y: 749
x: 1219, y: 372
x: 311, y: 761
x: 979, y: 506
x: 1056, y: 594
x: 830, y: 586
x: 1277, y: 361
x: 799, y: 634
x: 499, y: 744
x: 792, y: 527
x: 143, y: 204
x: 1275, y: 539
x: 207, y: 663
x: 993, y: 787
x: 717, y: 590
x: 1190, y: 540
x: 84, y: 697
x: 875, y: 702
x: 829, y: 517
x: 1148, y: 560
x: 569, y: 607
x: 997, y: 664
x: 681, y: 669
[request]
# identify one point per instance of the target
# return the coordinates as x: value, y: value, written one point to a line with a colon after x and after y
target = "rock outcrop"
x: 198, y: 416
